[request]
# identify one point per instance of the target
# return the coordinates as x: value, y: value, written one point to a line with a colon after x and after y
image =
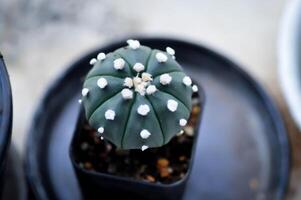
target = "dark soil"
x: 166, y: 164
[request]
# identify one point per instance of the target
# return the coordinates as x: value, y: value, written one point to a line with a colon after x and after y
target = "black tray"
x: 14, y: 185
x: 5, y: 114
x: 242, y: 152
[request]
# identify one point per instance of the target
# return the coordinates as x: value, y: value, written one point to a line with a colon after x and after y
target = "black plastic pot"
x: 242, y: 152
x: 5, y: 115
x: 95, y: 184
x: 12, y: 179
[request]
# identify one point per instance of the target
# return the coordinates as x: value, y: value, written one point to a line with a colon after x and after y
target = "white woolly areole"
x: 101, y: 56
x: 165, y: 79
x: 140, y: 88
x: 138, y: 67
x: 79, y: 101
x: 127, y: 93
x: 170, y: 51
x: 102, y: 83
x: 119, y: 63
x: 161, y: 57
x: 187, y: 81
x: 137, y: 80
x: 133, y: 44
x: 172, y: 105
x: 128, y: 82
x: 85, y: 91
x: 144, y: 134
x: 195, y: 88
x: 180, y: 133
x: 100, y: 130
x: 144, y: 147
x: 93, y: 61
x: 146, y: 76
x: 110, y: 114
x: 182, y: 122
x: 143, y: 110
x: 151, y: 89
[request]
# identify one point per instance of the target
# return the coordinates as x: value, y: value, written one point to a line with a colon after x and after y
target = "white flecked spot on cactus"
x: 146, y: 76
x: 93, y: 61
x: 195, y: 88
x: 161, y: 57
x: 137, y: 80
x: 170, y: 51
x: 119, y: 63
x: 151, y: 89
x: 101, y: 56
x: 144, y: 134
x: 138, y: 67
x: 127, y: 93
x: 144, y: 147
x: 133, y: 44
x: 165, y: 79
x: 182, y: 122
x: 180, y: 133
x: 140, y: 88
x: 128, y: 82
x: 102, y: 82
x: 187, y: 81
x: 172, y: 105
x: 110, y: 114
x: 143, y: 109
x: 79, y: 101
x: 100, y: 130
x: 85, y: 91
x: 101, y: 138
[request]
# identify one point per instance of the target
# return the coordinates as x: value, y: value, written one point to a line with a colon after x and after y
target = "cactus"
x: 137, y: 97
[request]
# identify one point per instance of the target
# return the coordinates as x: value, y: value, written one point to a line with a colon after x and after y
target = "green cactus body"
x: 137, y: 97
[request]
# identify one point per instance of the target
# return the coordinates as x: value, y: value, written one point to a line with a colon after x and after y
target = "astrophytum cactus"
x: 137, y: 97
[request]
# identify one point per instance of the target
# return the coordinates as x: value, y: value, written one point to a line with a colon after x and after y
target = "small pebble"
x: 84, y: 146
x: 150, y: 178
x: 189, y: 130
x: 164, y: 172
x: 88, y: 165
x: 162, y: 162
x: 196, y: 110
x: 182, y: 158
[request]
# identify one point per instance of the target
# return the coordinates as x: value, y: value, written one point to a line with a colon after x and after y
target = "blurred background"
x: 39, y: 38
